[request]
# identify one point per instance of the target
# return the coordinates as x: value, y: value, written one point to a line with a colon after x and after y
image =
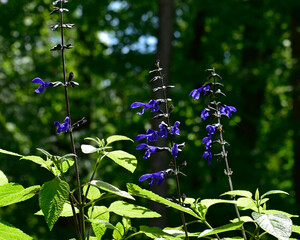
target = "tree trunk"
x: 159, y: 161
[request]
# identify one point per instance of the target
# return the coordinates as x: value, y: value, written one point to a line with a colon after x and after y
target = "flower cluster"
x: 215, y: 110
x: 164, y: 130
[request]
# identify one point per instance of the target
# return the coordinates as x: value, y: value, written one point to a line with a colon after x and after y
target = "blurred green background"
x: 253, y: 44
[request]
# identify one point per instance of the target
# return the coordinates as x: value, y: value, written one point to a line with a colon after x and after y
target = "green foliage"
x: 8, y: 232
x: 135, y: 190
x: 225, y: 228
x: 102, y: 214
x: 125, y: 209
x: 278, y: 225
x: 12, y: 193
x: 52, y: 197
x: 154, y: 232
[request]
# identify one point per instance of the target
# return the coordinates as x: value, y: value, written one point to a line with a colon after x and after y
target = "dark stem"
x: 229, y: 173
x: 81, y: 213
x: 174, y: 159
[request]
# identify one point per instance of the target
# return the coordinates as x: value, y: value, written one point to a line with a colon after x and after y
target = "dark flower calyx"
x: 60, y: 47
x: 58, y: 1
x: 57, y: 9
x: 166, y: 115
x: 65, y: 25
x: 214, y: 75
x: 162, y: 88
x: 78, y: 123
x: 155, y: 78
x: 220, y: 92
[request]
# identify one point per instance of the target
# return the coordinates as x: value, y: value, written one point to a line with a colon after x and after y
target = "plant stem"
x: 81, y: 210
x: 174, y: 159
x: 228, y: 172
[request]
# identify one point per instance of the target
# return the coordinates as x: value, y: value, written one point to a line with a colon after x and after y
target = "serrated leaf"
x: 124, y: 159
x: 224, y: 228
x: 296, y: 229
x: 10, y: 153
x: 12, y: 193
x: 52, y: 198
x: 244, y: 203
x: 111, y: 188
x: 132, y: 211
x: 36, y: 159
x: 278, y: 225
x: 9, y: 232
x: 3, y: 179
x: 241, y: 193
x: 135, y: 190
x: 115, y: 138
x: 66, y: 212
x: 93, y: 193
x: 87, y: 149
x: 155, y: 232
x: 274, y: 192
x: 102, y: 214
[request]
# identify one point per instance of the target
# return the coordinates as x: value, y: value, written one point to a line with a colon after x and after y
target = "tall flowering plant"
x: 164, y: 130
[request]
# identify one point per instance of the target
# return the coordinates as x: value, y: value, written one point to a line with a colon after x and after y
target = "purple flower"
x: 64, y: 127
x: 174, y: 150
x: 211, y: 129
x: 206, y: 89
x: 207, y: 156
x: 204, y: 114
x: 150, y: 149
x: 150, y: 135
x: 163, y: 131
x: 227, y: 110
x: 43, y: 85
x: 207, y: 141
x: 175, y: 129
x: 151, y: 104
x: 196, y: 92
x: 158, y: 175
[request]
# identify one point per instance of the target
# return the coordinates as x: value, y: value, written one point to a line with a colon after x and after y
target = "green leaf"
x: 124, y: 159
x: 206, y: 203
x: 102, y: 214
x: 9, y: 232
x: 274, y: 192
x: 257, y: 195
x: 118, y: 232
x: 296, y: 229
x: 224, y: 228
x: 279, y: 212
x: 278, y: 225
x: 155, y: 232
x: 242, y: 193
x: 52, y: 198
x: 13, y: 193
x: 93, y: 193
x: 111, y: 188
x: 10, y: 153
x: 66, y: 212
x: 243, y: 218
x: 87, y: 149
x: 38, y: 160
x: 126, y: 223
x: 3, y: 179
x: 244, y: 203
x: 115, y: 138
x: 132, y: 211
x: 135, y: 190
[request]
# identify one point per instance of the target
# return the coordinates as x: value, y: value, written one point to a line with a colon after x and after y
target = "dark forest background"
x: 253, y: 44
